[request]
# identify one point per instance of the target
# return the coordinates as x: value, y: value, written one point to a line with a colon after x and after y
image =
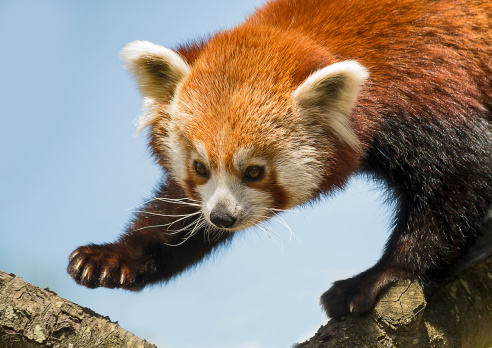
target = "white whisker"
x: 183, y: 201
x: 261, y: 223
x: 218, y: 234
x: 166, y: 215
x: 185, y: 228
x: 274, y: 236
x: 285, y: 210
x: 283, y: 223
x: 177, y: 201
x: 189, y: 234
x: 168, y: 231
x: 143, y: 203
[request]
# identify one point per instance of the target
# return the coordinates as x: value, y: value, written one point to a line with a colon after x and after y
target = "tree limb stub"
x: 33, y: 317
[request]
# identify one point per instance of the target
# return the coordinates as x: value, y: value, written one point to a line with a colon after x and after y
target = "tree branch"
x: 32, y: 317
x: 458, y: 314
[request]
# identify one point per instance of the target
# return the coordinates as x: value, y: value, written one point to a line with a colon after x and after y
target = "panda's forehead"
x: 236, y: 160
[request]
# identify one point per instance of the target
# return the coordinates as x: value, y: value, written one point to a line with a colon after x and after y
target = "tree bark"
x: 458, y: 314
x: 32, y: 317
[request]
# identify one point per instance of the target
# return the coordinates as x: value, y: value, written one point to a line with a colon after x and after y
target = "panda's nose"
x: 221, y: 217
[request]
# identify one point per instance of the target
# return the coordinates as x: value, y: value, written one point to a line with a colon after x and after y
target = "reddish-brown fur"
x: 406, y: 73
x: 422, y: 118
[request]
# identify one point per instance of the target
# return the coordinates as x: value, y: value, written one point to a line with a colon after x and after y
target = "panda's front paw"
x: 359, y: 294
x: 103, y: 266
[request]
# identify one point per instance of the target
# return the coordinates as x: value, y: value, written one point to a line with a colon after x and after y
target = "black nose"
x: 221, y: 218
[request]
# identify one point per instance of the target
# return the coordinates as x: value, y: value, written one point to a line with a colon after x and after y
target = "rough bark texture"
x: 459, y: 314
x: 33, y: 317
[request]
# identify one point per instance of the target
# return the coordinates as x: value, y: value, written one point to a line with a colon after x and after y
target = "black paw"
x: 359, y: 294
x: 102, y: 266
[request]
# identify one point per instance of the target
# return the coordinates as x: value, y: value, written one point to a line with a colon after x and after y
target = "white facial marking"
x: 201, y: 154
x: 244, y: 157
x: 299, y: 173
x: 227, y: 190
x: 174, y: 149
x: 221, y: 189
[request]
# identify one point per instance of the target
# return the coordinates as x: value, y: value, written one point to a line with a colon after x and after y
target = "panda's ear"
x: 158, y: 70
x: 328, y: 96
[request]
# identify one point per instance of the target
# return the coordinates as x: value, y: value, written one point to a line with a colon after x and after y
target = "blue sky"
x: 71, y: 171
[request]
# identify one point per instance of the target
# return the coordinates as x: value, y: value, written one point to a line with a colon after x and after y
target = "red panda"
x: 286, y: 107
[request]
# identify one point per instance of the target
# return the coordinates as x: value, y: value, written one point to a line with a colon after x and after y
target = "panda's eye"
x: 201, y: 169
x: 254, y: 173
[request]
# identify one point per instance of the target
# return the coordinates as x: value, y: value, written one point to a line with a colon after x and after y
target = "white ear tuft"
x: 330, y: 94
x: 158, y: 71
x: 147, y: 116
x: 138, y: 52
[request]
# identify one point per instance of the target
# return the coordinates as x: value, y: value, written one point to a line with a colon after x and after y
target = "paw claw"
x: 101, y: 265
x: 77, y: 266
x: 122, y: 278
x: 84, y: 274
x: 104, y: 275
x: 73, y: 255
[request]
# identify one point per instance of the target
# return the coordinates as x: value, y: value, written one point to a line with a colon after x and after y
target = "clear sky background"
x: 71, y: 171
